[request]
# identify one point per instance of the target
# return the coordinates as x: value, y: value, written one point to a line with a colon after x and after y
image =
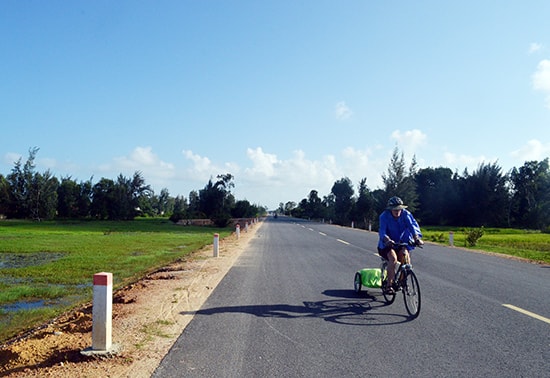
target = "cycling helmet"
x: 396, y: 203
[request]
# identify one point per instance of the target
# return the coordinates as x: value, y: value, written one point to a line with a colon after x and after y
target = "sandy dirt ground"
x: 148, y: 316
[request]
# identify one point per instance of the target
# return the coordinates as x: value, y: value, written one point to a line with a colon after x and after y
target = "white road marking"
x: 343, y: 241
x: 322, y: 233
x: 528, y: 313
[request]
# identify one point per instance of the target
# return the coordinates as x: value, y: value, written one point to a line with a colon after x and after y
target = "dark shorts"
x: 383, y: 252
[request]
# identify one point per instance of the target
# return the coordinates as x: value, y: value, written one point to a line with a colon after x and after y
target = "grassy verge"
x: 47, y: 268
x: 532, y: 245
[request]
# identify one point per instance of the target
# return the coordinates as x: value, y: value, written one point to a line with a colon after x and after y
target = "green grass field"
x: 47, y: 268
x: 531, y: 245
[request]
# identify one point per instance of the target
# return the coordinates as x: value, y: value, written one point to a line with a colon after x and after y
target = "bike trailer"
x: 371, y: 277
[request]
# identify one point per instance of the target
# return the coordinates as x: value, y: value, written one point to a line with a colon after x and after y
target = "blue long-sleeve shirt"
x: 401, y: 229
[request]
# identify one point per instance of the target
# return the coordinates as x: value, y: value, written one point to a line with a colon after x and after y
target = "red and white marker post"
x: 102, y: 312
x: 216, y: 245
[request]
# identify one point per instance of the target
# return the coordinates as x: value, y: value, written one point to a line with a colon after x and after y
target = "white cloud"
x: 271, y: 179
x: 342, y: 111
x: 59, y: 169
x: 262, y: 163
x: 264, y: 178
x: 49, y: 163
x: 534, y: 47
x: 461, y: 161
x: 203, y: 169
x: 409, y: 141
x: 533, y: 150
x: 200, y: 164
x: 156, y: 172
x: 144, y: 160
x: 541, y: 79
x: 11, y: 157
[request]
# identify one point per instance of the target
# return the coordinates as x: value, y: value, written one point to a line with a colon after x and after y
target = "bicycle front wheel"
x: 411, y: 294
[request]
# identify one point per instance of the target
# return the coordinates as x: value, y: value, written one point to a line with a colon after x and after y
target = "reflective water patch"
x: 22, y: 260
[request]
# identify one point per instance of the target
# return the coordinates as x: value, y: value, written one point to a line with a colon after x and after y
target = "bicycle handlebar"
x: 408, y: 244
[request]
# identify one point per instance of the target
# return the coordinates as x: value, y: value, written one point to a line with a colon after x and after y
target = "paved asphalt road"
x: 287, y: 308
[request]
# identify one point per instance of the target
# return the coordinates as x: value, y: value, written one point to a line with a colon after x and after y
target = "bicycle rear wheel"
x: 357, y: 282
x: 411, y: 294
x: 384, y: 276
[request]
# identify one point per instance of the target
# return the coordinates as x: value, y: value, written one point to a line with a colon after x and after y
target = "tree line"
x: 28, y: 194
x: 437, y: 196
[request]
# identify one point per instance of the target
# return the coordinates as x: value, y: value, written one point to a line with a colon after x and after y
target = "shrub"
x: 473, y: 235
x: 221, y: 219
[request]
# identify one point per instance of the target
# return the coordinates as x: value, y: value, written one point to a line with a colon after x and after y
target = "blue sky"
x: 288, y: 96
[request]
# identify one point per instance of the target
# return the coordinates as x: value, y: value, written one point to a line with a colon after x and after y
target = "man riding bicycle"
x: 397, y: 225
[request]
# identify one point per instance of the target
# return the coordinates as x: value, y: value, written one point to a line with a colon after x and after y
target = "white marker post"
x: 102, y: 312
x: 238, y: 230
x: 451, y: 238
x: 216, y: 245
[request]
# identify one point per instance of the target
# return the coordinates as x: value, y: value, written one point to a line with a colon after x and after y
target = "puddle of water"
x: 22, y: 260
x: 40, y: 303
x: 18, y: 306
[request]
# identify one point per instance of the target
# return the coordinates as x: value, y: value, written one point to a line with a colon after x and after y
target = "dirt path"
x: 147, y: 319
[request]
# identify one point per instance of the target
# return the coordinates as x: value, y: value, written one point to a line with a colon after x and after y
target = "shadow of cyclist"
x: 349, y: 309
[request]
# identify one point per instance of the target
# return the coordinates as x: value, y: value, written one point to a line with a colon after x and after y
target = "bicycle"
x: 405, y: 280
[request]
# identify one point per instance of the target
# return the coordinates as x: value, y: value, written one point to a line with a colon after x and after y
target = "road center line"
x: 343, y: 241
x: 528, y: 313
x: 322, y: 233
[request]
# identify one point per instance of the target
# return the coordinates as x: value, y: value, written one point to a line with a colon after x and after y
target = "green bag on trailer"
x: 371, y: 278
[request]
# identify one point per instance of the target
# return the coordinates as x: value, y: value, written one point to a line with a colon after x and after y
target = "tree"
x: 437, y: 195
x: 164, y: 203
x: 484, y: 197
x: 289, y: 208
x: 4, y: 196
x: 194, y: 209
x: 31, y: 194
x: 364, y: 205
x: 84, y: 201
x: 397, y: 182
x: 343, y: 201
x: 216, y: 199
x: 243, y: 209
x: 102, y: 199
x: 315, y: 209
x: 301, y: 210
x: 329, y: 203
x: 380, y: 201
x: 20, y: 181
x: 530, y: 206
x: 68, y: 194
x: 42, y: 199
x: 394, y: 178
x: 180, y: 209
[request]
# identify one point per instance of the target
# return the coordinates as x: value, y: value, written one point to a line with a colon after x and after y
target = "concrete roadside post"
x: 102, y: 315
x: 102, y: 311
x: 216, y: 245
x: 238, y: 230
x: 451, y: 238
